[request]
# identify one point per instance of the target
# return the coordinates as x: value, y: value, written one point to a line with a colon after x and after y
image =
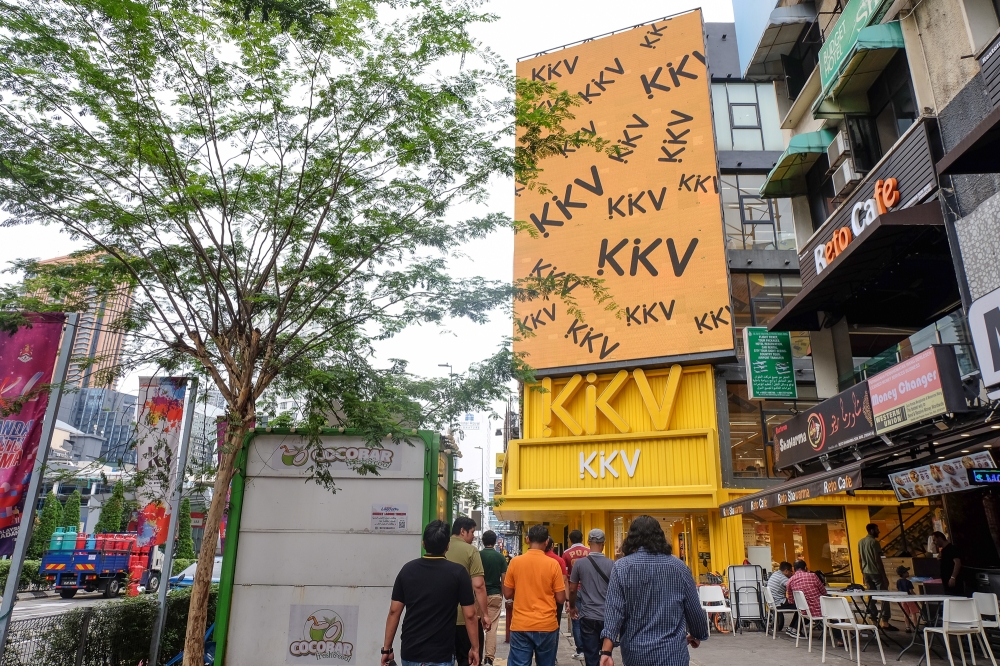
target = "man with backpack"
x: 589, y: 586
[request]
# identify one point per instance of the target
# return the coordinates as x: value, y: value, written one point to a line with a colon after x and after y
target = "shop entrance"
x: 687, y: 533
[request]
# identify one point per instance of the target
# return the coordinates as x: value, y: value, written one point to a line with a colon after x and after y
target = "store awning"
x: 788, y: 177
x: 868, y: 57
x: 977, y: 152
x: 898, y: 272
x: 779, y: 35
x: 807, y: 487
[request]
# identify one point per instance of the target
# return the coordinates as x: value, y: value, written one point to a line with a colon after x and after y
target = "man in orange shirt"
x: 535, y: 582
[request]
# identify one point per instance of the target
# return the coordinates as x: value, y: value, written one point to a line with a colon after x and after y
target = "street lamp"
x: 482, y: 469
x: 447, y: 365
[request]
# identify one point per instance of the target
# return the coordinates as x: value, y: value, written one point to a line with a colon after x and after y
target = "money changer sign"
x: 646, y: 218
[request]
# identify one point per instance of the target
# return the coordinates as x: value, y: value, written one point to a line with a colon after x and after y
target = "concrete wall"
x: 944, y: 36
x: 979, y: 240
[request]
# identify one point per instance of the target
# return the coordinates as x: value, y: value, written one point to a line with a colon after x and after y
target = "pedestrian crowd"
x: 450, y: 599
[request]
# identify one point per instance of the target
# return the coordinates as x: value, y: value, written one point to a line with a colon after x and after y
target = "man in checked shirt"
x: 811, y: 586
x: 653, y: 606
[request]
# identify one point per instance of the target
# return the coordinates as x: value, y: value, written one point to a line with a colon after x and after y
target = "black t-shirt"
x: 430, y: 588
x: 947, y: 557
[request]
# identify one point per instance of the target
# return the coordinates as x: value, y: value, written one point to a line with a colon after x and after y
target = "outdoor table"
x: 857, y: 596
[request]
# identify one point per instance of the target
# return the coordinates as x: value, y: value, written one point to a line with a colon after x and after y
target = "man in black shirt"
x: 951, y: 566
x: 430, y: 588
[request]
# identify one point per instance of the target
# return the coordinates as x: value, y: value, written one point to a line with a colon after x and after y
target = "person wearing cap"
x: 588, y: 592
x: 910, y: 610
x: 575, y: 552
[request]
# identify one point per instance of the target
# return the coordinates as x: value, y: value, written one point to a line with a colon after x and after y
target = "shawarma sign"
x: 841, y: 421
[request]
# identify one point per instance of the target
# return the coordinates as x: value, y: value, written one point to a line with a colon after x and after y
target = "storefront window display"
x: 749, y: 420
x: 687, y: 534
x: 815, y: 534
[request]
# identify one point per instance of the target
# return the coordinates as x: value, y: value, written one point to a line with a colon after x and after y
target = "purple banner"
x: 27, y: 360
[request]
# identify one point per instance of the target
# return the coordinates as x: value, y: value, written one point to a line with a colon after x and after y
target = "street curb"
x: 21, y: 596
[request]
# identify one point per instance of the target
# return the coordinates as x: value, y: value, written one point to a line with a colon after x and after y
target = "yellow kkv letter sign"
x: 647, y: 220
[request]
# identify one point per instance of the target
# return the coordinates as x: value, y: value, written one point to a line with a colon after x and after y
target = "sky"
x: 523, y: 27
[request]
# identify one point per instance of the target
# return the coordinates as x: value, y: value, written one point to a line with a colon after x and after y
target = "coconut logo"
x: 351, y: 455
x: 322, y: 637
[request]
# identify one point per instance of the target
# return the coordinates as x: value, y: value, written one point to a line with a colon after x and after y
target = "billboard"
x: 158, y: 433
x: 646, y: 219
x: 27, y: 359
x: 946, y: 476
x: 921, y: 387
x: 843, y: 420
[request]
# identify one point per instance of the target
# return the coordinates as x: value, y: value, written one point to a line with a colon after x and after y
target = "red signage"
x: 919, y: 388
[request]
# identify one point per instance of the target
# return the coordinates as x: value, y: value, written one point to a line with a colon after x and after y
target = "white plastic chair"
x: 773, y: 610
x: 713, y: 600
x: 805, y: 617
x: 837, y: 614
x: 960, y: 617
x: 987, y: 604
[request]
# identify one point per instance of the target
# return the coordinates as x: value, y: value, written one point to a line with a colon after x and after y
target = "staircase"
x: 917, y: 528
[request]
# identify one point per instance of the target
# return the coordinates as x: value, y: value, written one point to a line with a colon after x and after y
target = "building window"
x: 751, y: 428
x: 746, y: 116
x: 758, y: 297
x: 753, y: 223
x: 802, y: 59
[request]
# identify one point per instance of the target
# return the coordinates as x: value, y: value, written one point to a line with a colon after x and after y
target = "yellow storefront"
x: 600, y: 449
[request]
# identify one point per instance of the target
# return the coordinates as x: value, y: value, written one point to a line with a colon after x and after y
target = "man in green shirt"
x: 873, y: 571
x: 495, y: 566
x: 461, y: 551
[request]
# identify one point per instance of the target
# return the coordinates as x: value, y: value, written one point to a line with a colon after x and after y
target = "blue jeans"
x: 425, y: 663
x: 541, y: 644
x: 591, y: 642
x: 577, y: 636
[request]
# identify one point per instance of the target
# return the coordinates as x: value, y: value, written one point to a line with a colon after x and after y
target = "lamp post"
x: 482, y: 469
x: 447, y: 365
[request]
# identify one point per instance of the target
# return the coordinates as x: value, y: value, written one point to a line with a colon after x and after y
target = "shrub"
x: 180, y: 564
x: 29, y: 574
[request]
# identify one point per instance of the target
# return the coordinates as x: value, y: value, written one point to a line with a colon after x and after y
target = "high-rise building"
x: 103, y: 413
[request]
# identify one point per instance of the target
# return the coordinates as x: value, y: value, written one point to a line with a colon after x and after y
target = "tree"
x: 71, y: 511
x: 110, y: 519
x: 273, y: 179
x: 468, y: 491
x: 185, y: 542
x: 50, y: 519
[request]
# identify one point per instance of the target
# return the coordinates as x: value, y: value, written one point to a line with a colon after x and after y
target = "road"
x: 29, y: 608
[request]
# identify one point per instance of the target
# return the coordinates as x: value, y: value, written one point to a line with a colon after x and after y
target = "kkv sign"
x: 863, y: 214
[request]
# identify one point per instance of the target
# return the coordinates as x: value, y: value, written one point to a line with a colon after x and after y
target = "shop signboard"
x: 984, y: 324
x: 946, y: 476
x: 857, y: 15
x: 841, y: 421
x: 984, y: 477
x: 768, y: 354
x: 810, y: 487
x: 919, y: 388
x: 646, y: 218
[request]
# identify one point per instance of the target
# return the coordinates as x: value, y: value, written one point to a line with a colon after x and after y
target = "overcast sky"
x: 523, y: 27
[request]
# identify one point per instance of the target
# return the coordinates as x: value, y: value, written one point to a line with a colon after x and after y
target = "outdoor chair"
x: 806, y: 618
x: 773, y: 610
x: 960, y: 617
x: 713, y: 600
x: 837, y: 614
x: 986, y: 602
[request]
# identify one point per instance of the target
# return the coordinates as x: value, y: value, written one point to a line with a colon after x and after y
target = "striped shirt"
x: 652, y: 605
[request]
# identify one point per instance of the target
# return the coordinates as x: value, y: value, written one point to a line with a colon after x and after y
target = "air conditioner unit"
x: 838, y: 150
x: 845, y: 178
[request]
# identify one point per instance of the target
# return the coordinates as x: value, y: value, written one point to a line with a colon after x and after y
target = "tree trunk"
x: 194, y: 641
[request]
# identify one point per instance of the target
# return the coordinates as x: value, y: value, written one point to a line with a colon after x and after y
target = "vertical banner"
x: 27, y: 359
x: 161, y: 407
x: 646, y: 219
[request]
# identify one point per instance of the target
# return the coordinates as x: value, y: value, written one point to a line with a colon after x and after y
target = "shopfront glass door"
x: 686, y: 533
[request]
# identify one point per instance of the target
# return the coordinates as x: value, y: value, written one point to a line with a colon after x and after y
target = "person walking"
x: 809, y: 585
x: 550, y: 551
x: 429, y: 588
x: 777, y: 583
x: 535, y: 582
x: 461, y: 551
x: 951, y: 565
x: 494, y: 568
x: 576, y: 551
x: 873, y: 571
x: 652, y: 605
x: 588, y: 583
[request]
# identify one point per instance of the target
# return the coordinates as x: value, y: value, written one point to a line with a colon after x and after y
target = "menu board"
x: 945, y: 476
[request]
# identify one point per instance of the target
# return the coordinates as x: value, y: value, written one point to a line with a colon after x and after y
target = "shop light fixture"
x: 995, y: 427
x: 987, y: 446
x: 965, y: 434
x: 940, y: 457
x: 965, y: 451
x: 935, y: 443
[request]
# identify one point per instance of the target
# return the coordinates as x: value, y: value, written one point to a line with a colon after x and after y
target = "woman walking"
x: 653, y: 606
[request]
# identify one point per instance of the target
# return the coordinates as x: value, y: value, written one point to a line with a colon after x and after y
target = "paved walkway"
x: 753, y: 648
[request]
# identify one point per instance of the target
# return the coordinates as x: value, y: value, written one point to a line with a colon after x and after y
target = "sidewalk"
x: 753, y: 648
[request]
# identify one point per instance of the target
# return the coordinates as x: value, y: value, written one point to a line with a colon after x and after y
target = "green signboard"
x: 769, y: 363
x: 858, y: 14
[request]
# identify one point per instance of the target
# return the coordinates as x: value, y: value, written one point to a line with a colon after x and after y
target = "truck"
x: 105, y: 566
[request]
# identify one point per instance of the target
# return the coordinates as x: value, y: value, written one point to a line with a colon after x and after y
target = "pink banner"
x: 27, y: 360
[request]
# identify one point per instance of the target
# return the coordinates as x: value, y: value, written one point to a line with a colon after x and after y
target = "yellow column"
x: 726, y: 538
x: 856, y: 518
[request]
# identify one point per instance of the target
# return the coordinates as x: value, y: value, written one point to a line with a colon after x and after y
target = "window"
x: 746, y: 116
x: 820, y: 192
x: 753, y: 223
x: 758, y: 297
x: 802, y: 60
x: 892, y: 102
x: 751, y: 428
